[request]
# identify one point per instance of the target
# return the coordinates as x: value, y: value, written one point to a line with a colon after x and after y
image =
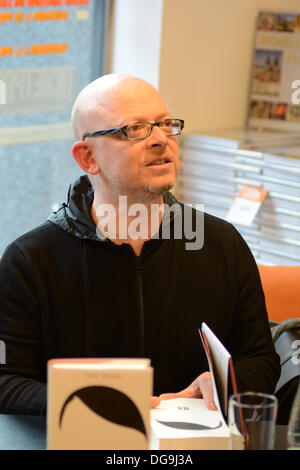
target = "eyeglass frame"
x: 118, y: 130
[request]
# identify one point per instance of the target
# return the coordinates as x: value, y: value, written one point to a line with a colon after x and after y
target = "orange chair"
x: 281, y: 285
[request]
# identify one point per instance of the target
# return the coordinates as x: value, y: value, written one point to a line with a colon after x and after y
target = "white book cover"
x: 187, y: 423
x: 97, y: 404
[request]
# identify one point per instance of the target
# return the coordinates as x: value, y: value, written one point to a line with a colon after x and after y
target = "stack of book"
x: 265, y: 154
x: 216, y: 165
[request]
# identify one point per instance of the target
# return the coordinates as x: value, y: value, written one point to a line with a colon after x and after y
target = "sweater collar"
x: 74, y: 217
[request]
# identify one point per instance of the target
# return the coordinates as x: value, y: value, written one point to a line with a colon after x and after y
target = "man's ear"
x: 84, y: 155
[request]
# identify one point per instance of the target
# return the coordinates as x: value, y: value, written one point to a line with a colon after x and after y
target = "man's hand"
x: 201, y: 388
x: 155, y: 401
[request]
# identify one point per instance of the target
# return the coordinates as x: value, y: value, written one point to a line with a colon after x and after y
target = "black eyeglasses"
x: 142, y: 130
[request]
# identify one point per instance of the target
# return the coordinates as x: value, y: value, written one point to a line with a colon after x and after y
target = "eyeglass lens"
x: 139, y: 130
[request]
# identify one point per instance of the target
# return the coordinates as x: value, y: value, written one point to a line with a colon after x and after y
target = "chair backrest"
x: 281, y: 285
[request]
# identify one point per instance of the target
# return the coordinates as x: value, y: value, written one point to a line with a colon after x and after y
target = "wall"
x: 206, y: 54
x: 197, y: 52
x: 135, y: 45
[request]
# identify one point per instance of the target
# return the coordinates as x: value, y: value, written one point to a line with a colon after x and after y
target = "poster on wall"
x: 46, y: 57
x: 49, y: 51
x: 275, y: 79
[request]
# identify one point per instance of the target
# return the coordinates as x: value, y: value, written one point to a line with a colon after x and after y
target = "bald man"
x: 121, y: 270
x: 144, y: 168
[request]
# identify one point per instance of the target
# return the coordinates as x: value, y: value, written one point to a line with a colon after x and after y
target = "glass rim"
x: 158, y: 122
x: 148, y: 127
x: 273, y: 400
x: 123, y: 130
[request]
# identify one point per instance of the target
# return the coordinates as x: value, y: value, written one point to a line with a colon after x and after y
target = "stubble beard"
x: 158, y: 190
x: 148, y: 192
x: 153, y: 190
x: 144, y: 191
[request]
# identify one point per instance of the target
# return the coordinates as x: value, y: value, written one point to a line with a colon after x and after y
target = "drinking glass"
x: 252, y: 421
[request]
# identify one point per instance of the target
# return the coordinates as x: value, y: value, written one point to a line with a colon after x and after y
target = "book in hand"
x: 99, y: 404
x: 187, y: 423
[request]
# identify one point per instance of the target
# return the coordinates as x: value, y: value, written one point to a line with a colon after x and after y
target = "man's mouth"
x: 160, y: 161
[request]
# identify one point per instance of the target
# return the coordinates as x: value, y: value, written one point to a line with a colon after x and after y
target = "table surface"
x: 29, y: 433
x: 19, y: 432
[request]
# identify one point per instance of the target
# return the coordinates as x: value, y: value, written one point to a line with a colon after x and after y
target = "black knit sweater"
x: 66, y: 293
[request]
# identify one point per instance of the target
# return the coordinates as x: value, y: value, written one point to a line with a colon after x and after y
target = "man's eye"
x: 135, y: 127
x: 167, y: 124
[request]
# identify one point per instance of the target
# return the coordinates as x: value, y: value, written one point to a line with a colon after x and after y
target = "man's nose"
x: 158, y: 137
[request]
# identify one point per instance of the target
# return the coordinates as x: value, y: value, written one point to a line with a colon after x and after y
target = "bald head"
x: 98, y: 101
x: 140, y: 168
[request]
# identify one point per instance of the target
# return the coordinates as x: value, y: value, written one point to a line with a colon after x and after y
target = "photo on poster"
x: 259, y: 109
x: 267, y: 72
x: 286, y: 22
x: 267, y: 21
x: 293, y: 113
x: 277, y: 111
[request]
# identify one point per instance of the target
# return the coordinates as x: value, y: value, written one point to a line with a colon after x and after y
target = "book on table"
x: 99, y: 404
x: 187, y: 423
x: 105, y: 404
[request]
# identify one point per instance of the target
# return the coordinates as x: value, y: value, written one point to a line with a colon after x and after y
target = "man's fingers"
x: 186, y: 393
x: 155, y: 401
x: 168, y: 396
x: 206, y: 387
x: 201, y: 388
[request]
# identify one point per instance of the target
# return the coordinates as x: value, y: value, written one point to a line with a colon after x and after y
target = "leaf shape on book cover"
x: 189, y: 426
x: 110, y: 404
